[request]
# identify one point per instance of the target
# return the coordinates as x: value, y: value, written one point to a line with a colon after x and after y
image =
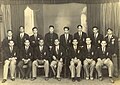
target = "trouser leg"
x: 12, y: 68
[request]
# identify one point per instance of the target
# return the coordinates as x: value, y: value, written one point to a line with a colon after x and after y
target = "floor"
x: 51, y: 81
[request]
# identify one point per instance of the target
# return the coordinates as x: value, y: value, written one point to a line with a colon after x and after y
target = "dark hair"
x: 9, y: 30
x: 66, y: 28
x: 109, y: 29
x: 94, y: 27
x: 34, y: 28
x: 51, y: 26
x: 21, y: 26
x: 80, y: 26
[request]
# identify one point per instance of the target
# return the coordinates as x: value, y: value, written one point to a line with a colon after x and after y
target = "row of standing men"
x: 75, y: 51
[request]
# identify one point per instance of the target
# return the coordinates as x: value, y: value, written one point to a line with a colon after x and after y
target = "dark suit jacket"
x: 26, y: 54
x: 44, y: 54
x: 89, y: 54
x: 61, y: 52
x: 5, y: 42
x: 67, y: 44
x: 49, y: 39
x: 96, y: 42
x: 101, y: 54
x: 20, y: 42
x: 7, y: 54
x: 33, y: 41
x: 78, y: 53
x: 82, y: 39
x: 113, y: 44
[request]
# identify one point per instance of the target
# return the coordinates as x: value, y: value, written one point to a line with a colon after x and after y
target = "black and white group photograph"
x: 59, y: 42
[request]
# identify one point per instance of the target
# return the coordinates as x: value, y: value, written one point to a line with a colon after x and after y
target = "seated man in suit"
x: 57, y: 59
x: 89, y: 56
x: 26, y: 54
x: 21, y: 37
x: 10, y: 56
x: 75, y: 63
x: 41, y: 58
x: 80, y: 36
x: 104, y: 58
x: 112, y: 43
x: 96, y: 37
x: 8, y: 38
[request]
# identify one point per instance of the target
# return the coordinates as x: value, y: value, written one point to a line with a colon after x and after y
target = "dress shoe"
x: 100, y: 78
x: 78, y: 79
x: 91, y: 78
x: 4, y: 80
x: 87, y: 78
x: 111, y: 80
x: 33, y: 78
x: 59, y: 79
x: 73, y: 79
x: 46, y: 78
x: 13, y: 79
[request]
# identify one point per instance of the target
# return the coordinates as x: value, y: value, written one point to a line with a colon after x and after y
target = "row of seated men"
x: 78, y: 51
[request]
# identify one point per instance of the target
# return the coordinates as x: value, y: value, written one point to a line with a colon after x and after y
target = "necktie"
x: 21, y: 36
x: 11, y: 49
x: 95, y: 36
x: 41, y: 48
x: 80, y: 34
x: 57, y: 50
x: 109, y: 38
x: 66, y: 38
x: 89, y: 48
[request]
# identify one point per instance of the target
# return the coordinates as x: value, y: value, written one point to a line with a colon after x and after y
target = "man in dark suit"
x: 58, y: 54
x: 104, y: 58
x: 41, y: 58
x: 112, y: 43
x: 66, y: 42
x: 89, y: 59
x: 75, y: 63
x: 22, y: 36
x: 10, y: 55
x: 80, y: 36
x: 26, y: 55
x: 9, y: 37
x: 35, y: 38
x: 96, y: 37
x: 50, y: 37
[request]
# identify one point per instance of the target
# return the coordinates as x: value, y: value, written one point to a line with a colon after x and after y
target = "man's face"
x: 21, y: 29
x: 75, y: 42
x: 41, y: 42
x: 109, y: 32
x: 27, y: 42
x: 66, y: 31
x: 95, y: 30
x: 56, y: 42
x: 11, y: 43
x: 88, y: 41
x: 51, y: 29
x: 35, y: 31
x: 79, y: 29
x: 103, y: 43
x: 9, y: 33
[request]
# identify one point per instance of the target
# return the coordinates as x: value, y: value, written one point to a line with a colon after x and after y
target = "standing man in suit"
x: 50, y: 37
x: 66, y: 42
x: 75, y: 63
x: 41, y: 58
x: 35, y: 38
x: 57, y: 59
x: 26, y: 55
x: 10, y: 56
x: 96, y: 37
x: 112, y: 43
x: 22, y: 36
x: 9, y: 37
x: 89, y: 59
x: 104, y: 58
x: 80, y: 36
